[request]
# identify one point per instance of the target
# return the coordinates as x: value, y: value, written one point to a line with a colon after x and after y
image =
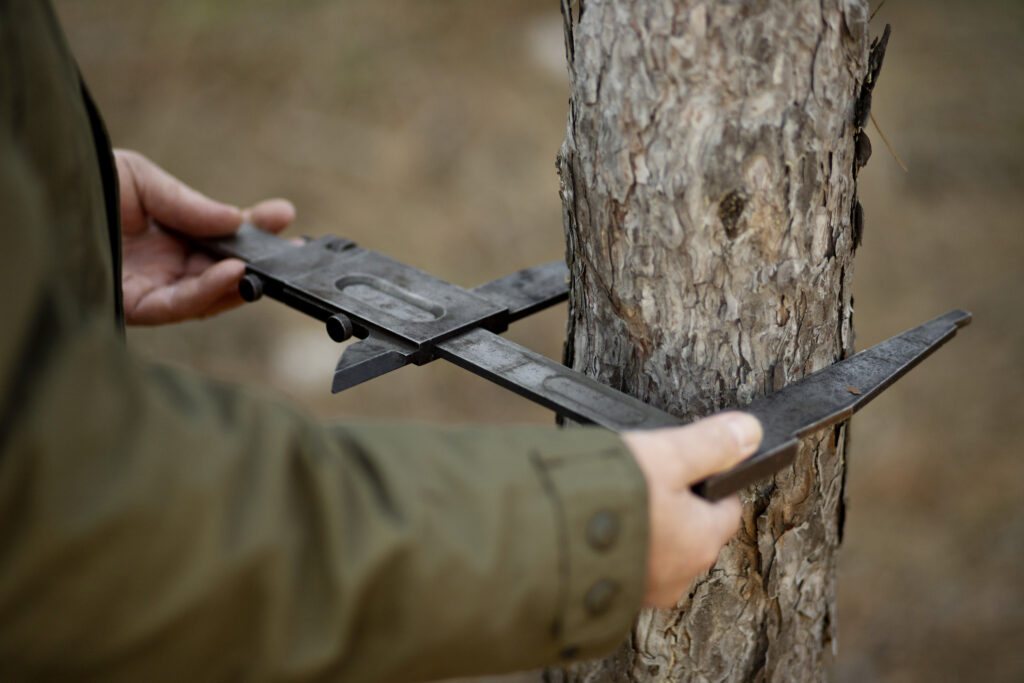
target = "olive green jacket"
x: 157, y: 526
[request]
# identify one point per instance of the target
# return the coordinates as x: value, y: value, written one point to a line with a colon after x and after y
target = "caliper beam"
x: 408, y: 316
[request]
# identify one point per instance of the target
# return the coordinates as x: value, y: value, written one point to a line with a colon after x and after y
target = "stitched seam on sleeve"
x: 562, y: 535
x: 552, y: 461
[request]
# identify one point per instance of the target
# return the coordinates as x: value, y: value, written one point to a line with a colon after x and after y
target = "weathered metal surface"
x: 522, y: 293
x: 370, y: 358
x: 528, y: 291
x: 828, y: 396
x: 408, y: 316
x: 549, y: 383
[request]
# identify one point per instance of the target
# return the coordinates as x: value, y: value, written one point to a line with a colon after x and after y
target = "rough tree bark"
x: 708, y: 183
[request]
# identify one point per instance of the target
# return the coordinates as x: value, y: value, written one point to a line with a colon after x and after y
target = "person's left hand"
x: 163, y: 278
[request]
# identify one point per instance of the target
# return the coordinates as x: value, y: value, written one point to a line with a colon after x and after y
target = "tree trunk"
x: 708, y: 184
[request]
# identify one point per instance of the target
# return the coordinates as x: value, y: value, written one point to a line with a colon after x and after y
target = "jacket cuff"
x: 600, y: 500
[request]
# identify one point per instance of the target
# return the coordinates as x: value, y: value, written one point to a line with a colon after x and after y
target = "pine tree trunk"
x: 708, y: 183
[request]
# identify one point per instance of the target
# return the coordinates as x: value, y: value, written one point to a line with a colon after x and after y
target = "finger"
x: 230, y: 300
x: 726, y: 515
x: 687, y: 537
x: 713, y: 444
x: 272, y: 215
x: 196, y: 263
x: 705, y: 528
x: 197, y: 295
x: 172, y: 203
x: 190, y: 297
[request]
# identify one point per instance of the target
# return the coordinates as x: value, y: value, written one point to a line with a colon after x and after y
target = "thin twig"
x: 886, y: 141
x: 873, y: 16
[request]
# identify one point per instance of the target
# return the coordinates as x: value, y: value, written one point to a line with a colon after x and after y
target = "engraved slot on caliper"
x: 389, y: 298
x: 575, y: 394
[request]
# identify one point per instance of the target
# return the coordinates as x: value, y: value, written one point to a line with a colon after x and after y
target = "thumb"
x: 147, y: 191
x: 713, y: 444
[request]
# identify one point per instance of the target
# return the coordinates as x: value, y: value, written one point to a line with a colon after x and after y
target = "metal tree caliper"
x: 403, y: 315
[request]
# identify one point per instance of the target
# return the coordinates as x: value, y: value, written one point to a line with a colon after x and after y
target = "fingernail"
x: 747, y: 430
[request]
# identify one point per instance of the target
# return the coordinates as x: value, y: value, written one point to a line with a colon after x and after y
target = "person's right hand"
x: 686, y: 531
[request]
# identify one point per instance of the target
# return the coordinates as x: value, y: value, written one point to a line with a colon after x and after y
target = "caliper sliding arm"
x: 404, y: 315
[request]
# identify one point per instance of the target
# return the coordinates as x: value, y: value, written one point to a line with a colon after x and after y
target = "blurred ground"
x: 428, y: 130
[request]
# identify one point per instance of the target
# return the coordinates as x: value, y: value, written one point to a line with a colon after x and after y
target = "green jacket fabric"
x: 158, y: 526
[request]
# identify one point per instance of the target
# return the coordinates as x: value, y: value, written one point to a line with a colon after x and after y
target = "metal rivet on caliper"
x: 250, y: 287
x: 338, y: 244
x: 339, y: 327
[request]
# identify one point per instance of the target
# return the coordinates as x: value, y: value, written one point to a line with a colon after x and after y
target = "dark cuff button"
x: 603, y: 530
x: 600, y: 597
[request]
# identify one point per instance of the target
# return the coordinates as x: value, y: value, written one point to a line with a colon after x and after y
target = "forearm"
x: 198, y: 523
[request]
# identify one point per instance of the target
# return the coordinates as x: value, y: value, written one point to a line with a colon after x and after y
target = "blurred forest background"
x: 428, y: 130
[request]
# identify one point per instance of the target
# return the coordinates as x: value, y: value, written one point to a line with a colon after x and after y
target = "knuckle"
x: 735, y: 518
x: 718, y: 436
x: 729, y: 514
x: 727, y: 437
x: 132, y: 158
x: 709, y: 555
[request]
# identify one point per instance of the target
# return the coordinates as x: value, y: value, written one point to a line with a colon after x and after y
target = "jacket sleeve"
x: 160, y: 526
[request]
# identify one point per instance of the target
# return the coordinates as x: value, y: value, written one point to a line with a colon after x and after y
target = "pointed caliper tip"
x: 367, y: 359
x: 829, y: 396
x: 960, y: 317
